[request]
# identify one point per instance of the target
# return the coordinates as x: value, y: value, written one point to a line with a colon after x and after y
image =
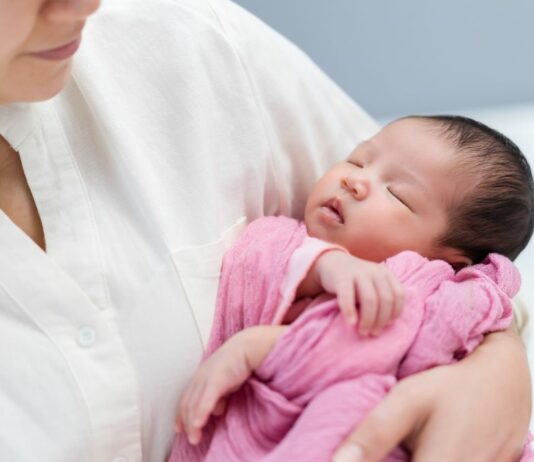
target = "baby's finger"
x: 220, y: 407
x: 192, y: 411
x: 183, y: 408
x: 398, y: 292
x: 384, y: 304
x: 206, y: 405
x: 368, y: 305
x: 179, y: 426
x: 194, y: 436
x: 346, y: 301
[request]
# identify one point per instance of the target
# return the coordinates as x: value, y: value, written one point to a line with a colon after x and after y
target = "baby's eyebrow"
x: 410, y: 177
x: 365, y: 149
x: 372, y: 152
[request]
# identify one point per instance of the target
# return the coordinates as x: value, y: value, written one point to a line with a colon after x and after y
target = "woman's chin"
x: 38, y: 86
x: 54, y: 84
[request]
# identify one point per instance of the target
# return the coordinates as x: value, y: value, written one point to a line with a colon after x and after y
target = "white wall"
x: 415, y: 56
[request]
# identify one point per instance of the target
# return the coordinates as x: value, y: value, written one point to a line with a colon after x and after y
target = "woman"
x: 123, y: 182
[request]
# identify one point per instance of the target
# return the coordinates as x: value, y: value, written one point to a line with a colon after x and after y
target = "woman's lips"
x: 332, y: 210
x: 58, y: 54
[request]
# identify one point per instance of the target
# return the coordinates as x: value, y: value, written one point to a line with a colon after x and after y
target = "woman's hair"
x: 496, y: 214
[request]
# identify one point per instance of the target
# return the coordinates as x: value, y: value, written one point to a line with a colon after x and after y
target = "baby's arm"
x: 356, y: 282
x: 223, y: 373
x: 461, y: 312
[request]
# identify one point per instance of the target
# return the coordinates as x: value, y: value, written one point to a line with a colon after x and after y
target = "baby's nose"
x: 358, y: 187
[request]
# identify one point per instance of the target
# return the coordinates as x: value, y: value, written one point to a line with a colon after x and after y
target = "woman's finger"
x: 395, y: 418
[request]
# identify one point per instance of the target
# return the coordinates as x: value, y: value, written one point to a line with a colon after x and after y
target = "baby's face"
x: 389, y: 195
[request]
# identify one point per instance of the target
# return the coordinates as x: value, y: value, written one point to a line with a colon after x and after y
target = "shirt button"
x: 86, y: 337
x: 120, y: 459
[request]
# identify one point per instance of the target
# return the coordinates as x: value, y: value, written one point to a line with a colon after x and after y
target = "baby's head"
x: 445, y: 186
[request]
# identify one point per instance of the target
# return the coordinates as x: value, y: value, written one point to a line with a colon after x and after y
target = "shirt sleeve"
x: 309, y: 122
x: 299, y: 265
x: 457, y: 316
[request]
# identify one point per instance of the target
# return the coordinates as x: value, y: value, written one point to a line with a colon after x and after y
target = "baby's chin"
x: 308, y: 222
x: 319, y: 232
x: 312, y: 228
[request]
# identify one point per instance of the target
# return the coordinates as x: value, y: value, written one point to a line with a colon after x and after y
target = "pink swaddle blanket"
x: 322, y: 378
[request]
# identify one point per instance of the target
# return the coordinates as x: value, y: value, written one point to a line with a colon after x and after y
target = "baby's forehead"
x: 420, y: 148
x: 408, y: 138
x: 417, y: 126
x: 433, y: 132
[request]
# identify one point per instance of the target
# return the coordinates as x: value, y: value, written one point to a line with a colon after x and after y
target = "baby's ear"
x: 455, y: 258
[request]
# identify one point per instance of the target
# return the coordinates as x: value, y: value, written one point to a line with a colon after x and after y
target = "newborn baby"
x: 430, y: 196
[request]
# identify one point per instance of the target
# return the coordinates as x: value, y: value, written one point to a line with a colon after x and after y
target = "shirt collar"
x: 18, y: 121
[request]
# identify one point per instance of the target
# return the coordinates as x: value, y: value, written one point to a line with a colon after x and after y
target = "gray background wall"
x: 415, y: 56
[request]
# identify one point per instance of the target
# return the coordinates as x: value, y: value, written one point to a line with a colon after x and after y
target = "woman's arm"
x: 477, y: 410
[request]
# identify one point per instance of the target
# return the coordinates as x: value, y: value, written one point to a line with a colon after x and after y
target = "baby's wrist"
x: 327, y: 255
x: 257, y: 342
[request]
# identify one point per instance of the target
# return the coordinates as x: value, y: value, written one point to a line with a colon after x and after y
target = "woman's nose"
x: 358, y: 187
x: 69, y: 10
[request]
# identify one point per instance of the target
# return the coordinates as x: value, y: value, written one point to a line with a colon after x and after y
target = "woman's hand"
x: 477, y: 410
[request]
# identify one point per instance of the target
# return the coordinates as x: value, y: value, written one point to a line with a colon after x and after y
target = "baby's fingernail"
x: 193, y: 440
x: 349, y: 453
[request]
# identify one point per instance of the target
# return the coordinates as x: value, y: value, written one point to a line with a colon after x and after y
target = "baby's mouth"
x: 334, y: 208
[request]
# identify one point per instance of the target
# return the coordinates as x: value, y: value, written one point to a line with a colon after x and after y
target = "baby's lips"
x: 335, y: 205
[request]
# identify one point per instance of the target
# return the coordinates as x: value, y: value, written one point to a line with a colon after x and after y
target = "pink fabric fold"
x: 251, y: 276
x: 321, y: 378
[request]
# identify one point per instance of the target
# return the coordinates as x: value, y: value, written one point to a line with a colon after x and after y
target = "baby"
x: 437, y: 199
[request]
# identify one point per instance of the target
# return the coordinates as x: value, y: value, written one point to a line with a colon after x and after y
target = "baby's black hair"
x: 496, y: 214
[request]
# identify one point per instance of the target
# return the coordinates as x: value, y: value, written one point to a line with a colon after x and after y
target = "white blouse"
x: 182, y: 118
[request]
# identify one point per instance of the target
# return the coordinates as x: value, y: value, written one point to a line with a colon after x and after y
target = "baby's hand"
x: 224, y: 372
x: 379, y: 294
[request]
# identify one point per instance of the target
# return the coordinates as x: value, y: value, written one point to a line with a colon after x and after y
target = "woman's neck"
x: 8, y: 156
x: 16, y: 199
